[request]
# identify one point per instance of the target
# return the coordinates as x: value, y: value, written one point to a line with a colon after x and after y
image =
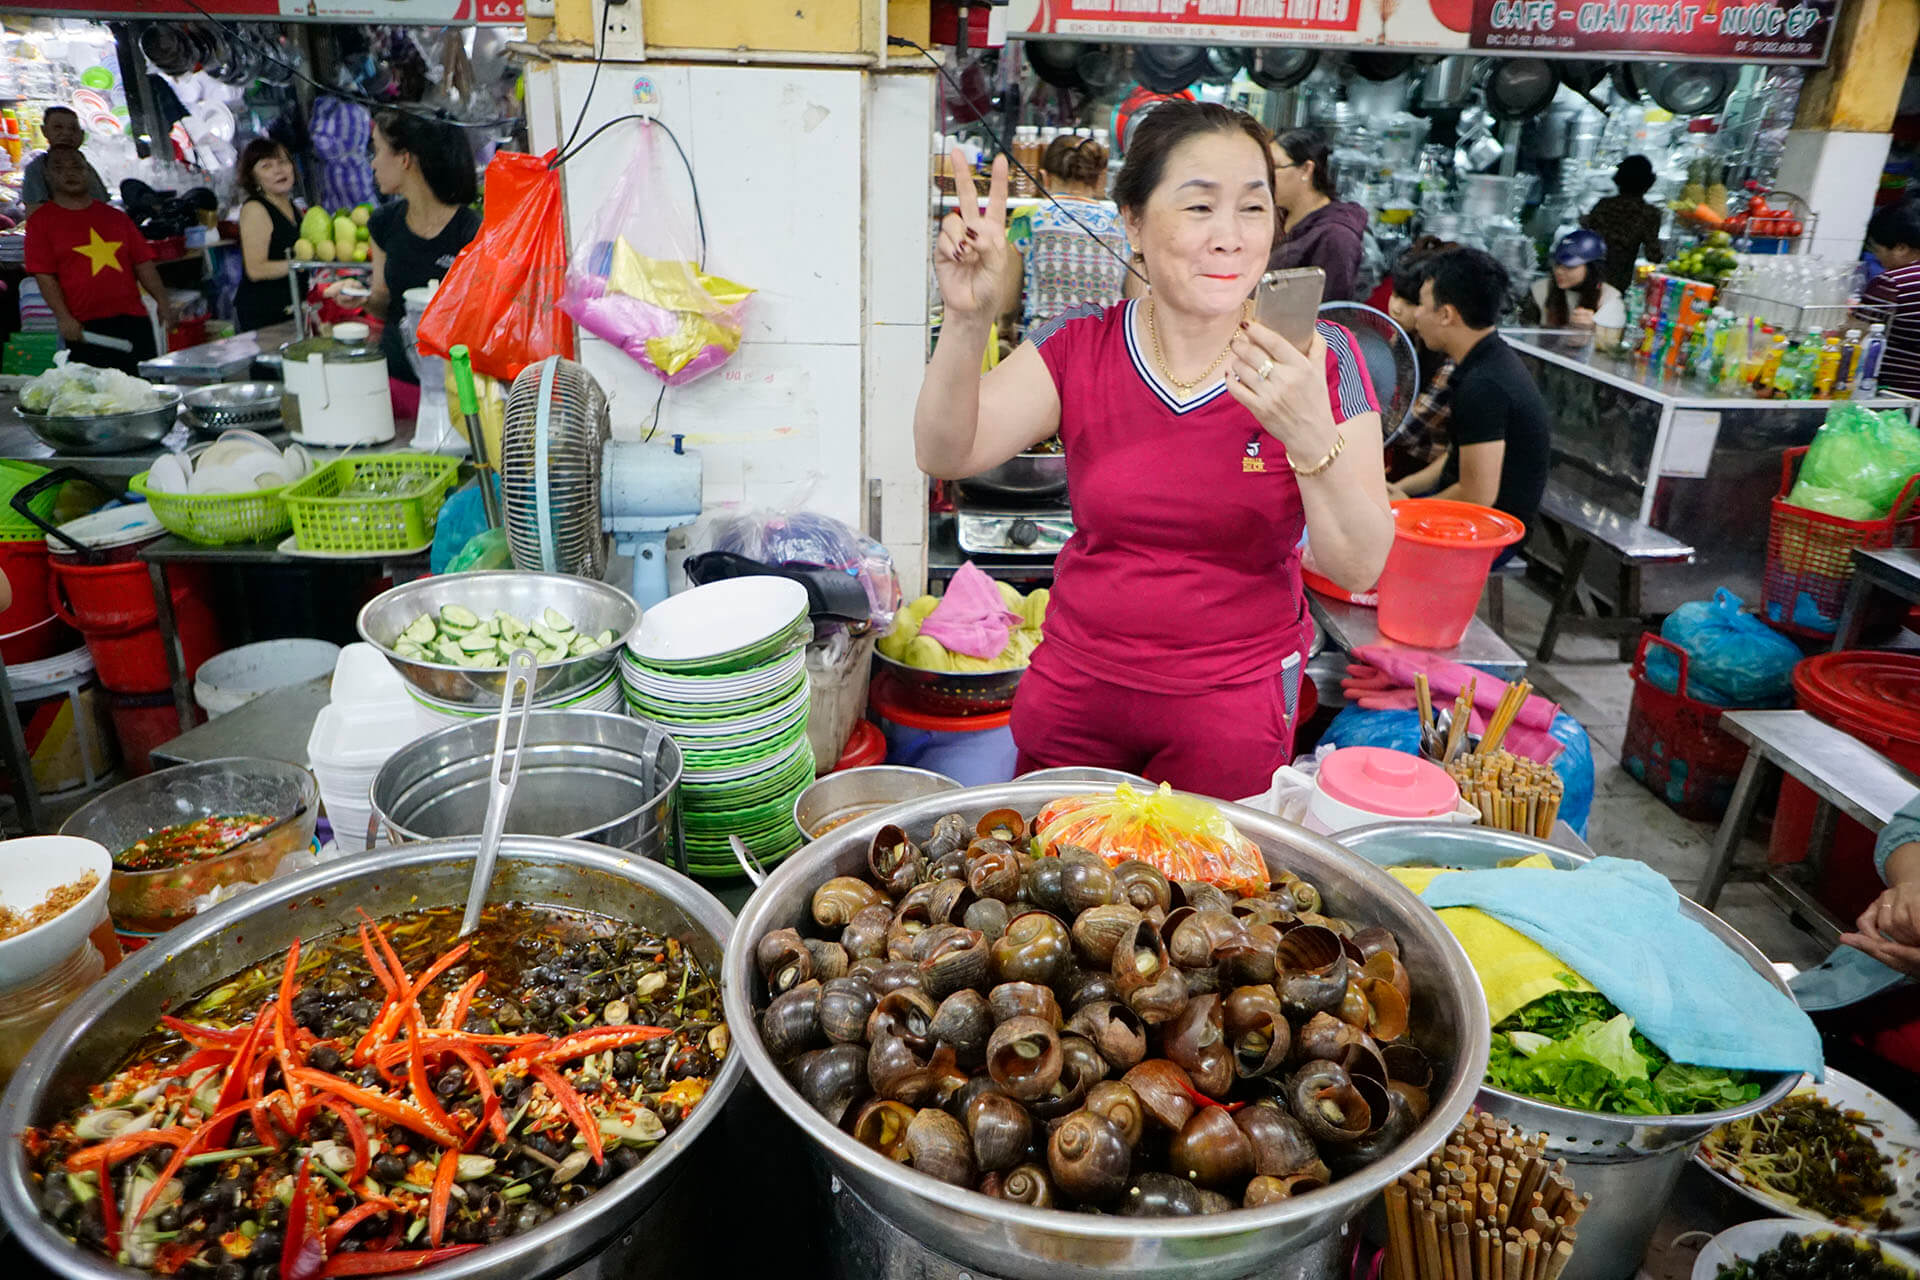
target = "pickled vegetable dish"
x: 383, y: 1100
x: 1818, y: 1258
x: 186, y: 842
x: 1811, y: 1153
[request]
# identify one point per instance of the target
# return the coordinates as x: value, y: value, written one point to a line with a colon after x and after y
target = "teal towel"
x: 1618, y: 924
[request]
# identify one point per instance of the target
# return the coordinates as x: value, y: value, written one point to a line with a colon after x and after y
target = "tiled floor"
x: 1588, y: 679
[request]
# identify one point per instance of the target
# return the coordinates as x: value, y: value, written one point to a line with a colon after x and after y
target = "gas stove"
x: 1008, y: 530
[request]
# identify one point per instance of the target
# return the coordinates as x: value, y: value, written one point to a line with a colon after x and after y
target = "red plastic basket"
x: 1810, y: 555
x: 1675, y: 745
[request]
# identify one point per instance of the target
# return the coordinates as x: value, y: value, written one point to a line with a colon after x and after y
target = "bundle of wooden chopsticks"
x: 1512, y: 793
x: 1486, y: 1206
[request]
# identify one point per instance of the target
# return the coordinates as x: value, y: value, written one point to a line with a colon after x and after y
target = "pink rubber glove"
x: 1446, y: 679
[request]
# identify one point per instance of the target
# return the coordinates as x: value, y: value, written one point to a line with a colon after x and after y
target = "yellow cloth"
x: 1514, y: 969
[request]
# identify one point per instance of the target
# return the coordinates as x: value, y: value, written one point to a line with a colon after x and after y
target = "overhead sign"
x: 1772, y: 31
x: 510, y: 13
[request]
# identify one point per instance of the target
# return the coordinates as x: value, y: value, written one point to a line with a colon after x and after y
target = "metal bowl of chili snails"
x: 320, y: 1079
x: 1037, y: 1062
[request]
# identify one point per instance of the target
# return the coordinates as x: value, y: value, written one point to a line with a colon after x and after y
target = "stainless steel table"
x: 274, y: 725
x: 1895, y: 571
x: 1847, y: 775
x: 1352, y: 626
x: 222, y: 360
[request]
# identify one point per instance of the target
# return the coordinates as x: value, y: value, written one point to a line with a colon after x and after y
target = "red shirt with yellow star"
x: 93, y: 252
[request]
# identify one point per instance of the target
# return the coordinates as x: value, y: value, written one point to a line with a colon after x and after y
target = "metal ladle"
x: 501, y: 781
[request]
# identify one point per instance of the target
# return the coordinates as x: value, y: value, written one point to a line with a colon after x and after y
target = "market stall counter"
x: 1694, y: 462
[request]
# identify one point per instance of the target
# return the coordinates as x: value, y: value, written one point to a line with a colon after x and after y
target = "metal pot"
x: 584, y: 775
x: 1629, y: 1164
x: 1521, y: 88
x: 101, y: 1025
x: 1448, y: 82
x: 1006, y: 1239
x: 1282, y: 68
x: 1025, y: 475
x: 105, y: 432
x: 854, y: 793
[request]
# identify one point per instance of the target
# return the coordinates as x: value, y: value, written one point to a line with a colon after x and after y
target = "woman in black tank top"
x: 267, y: 233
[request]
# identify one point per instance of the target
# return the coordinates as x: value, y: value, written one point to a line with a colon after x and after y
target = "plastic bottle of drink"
x: 1868, y: 383
x: 1700, y: 351
x: 1826, y: 370
x: 1849, y: 365
x: 1757, y: 348
x: 1795, y: 379
x: 1763, y: 380
x: 1727, y: 369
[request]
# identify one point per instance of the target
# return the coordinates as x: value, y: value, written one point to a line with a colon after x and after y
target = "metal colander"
x: 555, y: 433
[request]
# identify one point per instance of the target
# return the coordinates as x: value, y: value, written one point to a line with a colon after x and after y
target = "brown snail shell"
x: 1088, y: 1158
x: 1386, y: 1009
x: 865, y: 936
x: 1098, y: 930
x: 1143, y: 885
x: 1161, y: 1195
x: 1264, y: 1190
x: 963, y: 1021
x: 1000, y: 1129
x: 1001, y: 824
x: 882, y: 1124
x: 1086, y: 881
x: 1394, y: 1121
x: 1023, y: 1057
x: 1251, y: 958
x: 1116, y: 1100
x: 1035, y: 948
x: 1138, y: 958
x: 903, y: 939
x: 1163, y: 1089
x: 894, y: 975
x: 791, y: 1024
x: 1204, y: 981
x: 953, y: 958
x: 1313, y: 971
x: 894, y: 861
x: 1200, y: 895
x: 951, y: 865
x: 1023, y: 1000
x: 1281, y: 1144
x: 841, y: 898
x: 1264, y: 909
x: 1161, y: 1000
x: 1082, y: 987
x: 1325, y: 1037
x: 938, y: 1146
x: 897, y: 1070
x: 1417, y: 1101
x: 988, y: 916
x: 833, y: 1080
x: 1211, y: 1150
x: 1194, y: 935
x: 845, y: 1006
x: 951, y: 832
x: 1196, y: 1042
x: 1324, y: 1099
x: 1028, y: 1184
x: 830, y: 959
x: 948, y: 900
x: 1081, y: 1067
x: 1388, y: 968
x: 784, y: 960
x: 908, y: 1013
x: 1214, y: 1202
x: 1044, y: 885
x: 866, y: 967
x: 1290, y: 888
x: 1406, y: 1063
x: 1362, y: 1058
x: 1114, y: 1029
x: 993, y: 871
x: 1374, y: 939
x: 1258, y: 1034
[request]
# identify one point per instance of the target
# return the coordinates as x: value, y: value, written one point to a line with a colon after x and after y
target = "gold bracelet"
x: 1339, y: 443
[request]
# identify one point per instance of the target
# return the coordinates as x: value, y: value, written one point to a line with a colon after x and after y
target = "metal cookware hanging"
x: 1281, y: 68
x: 1169, y: 68
x: 1223, y: 64
x: 1521, y: 88
x: 1055, y: 62
x: 1690, y: 88
x: 1102, y: 67
x: 1380, y: 67
x: 1447, y: 82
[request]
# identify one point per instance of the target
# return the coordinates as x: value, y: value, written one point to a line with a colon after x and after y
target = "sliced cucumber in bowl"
x: 458, y: 636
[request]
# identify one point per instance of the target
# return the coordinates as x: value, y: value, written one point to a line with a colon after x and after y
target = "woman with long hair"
x: 1317, y: 228
x: 1575, y: 292
x: 269, y: 226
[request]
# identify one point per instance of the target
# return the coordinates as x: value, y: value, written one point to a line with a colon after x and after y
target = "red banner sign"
x: 510, y: 13
x: 1740, y: 30
x: 1228, y: 22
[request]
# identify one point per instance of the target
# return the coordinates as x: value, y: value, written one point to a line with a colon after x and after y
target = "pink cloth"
x: 971, y: 618
x: 1382, y: 667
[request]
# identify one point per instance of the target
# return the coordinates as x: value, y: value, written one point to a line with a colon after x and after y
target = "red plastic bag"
x: 1183, y: 836
x: 501, y: 296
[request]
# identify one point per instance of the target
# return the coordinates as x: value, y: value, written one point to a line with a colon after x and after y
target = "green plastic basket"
x: 217, y: 519
x: 27, y: 354
x: 326, y: 517
x: 15, y: 476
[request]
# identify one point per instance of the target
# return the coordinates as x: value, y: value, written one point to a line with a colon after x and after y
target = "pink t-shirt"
x: 1183, y: 574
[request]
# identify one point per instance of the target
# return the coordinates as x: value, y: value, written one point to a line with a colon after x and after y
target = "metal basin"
x: 99, y: 1028
x: 1006, y: 1239
x: 853, y: 793
x: 592, y: 607
x: 107, y: 432
x: 1627, y: 1163
x: 1025, y: 475
x: 584, y: 775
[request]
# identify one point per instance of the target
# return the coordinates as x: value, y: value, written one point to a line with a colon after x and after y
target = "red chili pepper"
x: 228, y: 1038
x: 109, y: 1209
x: 114, y: 1150
x: 388, y: 1024
x: 480, y: 1067
x: 344, y: 1224
x: 239, y: 1072
x: 379, y: 969
x: 454, y: 1011
x: 286, y: 981
x: 304, y: 1256
x: 356, y: 1134
x: 597, y: 1040
x: 442, y: 1193
x: 571, y: 1103
x: 380, y: 1264
x: 393, y: 1110
x: 1200, y: 1099
x: 395, y: 969
x: 422, y: 1091
x: 200, y: 1058
x: 283, y: 1054
x: 196, y: 1141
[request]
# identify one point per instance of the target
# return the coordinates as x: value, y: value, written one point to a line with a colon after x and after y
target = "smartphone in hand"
x: 1287, y: 302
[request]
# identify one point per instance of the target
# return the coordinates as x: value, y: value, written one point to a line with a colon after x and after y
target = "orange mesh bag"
x: 1183, y: 836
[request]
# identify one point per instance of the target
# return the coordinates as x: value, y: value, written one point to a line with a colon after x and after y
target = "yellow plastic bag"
x: 1185, y: 837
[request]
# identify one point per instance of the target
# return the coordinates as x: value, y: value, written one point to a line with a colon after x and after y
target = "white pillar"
x: 1838, y: 174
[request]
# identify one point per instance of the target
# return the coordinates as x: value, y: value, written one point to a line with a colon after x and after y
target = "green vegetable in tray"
x: 1813, y: 1154
x: 457, y: 636
x: 1575, y: 1048
x: 1818, y: 1257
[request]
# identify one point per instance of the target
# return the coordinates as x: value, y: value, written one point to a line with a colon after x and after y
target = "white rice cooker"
x: 336, y: 389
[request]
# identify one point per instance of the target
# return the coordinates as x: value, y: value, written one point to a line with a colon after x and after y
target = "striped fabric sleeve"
x: 1040, y: 333
x: 1347, y: 381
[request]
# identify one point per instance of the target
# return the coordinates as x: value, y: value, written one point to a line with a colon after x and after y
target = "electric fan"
x: 1389, y: 356
x: 566, y: 485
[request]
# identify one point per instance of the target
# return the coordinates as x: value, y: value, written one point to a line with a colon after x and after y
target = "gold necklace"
x: 1160, y: 357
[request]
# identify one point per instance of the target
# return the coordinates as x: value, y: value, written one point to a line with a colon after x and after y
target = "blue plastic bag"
x: 1400, y: 731
x: 1733, y: 658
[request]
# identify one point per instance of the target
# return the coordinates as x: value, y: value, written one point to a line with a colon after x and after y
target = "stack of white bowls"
x: 369, y: 718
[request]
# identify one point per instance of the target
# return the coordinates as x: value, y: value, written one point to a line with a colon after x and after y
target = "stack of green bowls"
x: 739, y: 716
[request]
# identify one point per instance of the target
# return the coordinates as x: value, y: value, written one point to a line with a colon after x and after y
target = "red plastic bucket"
x: 41, y: 640
x: 1437, y: 568
x: 143, y: 721
x: 112, y: 606
x: 25, y: 564
x: 1875, y: 696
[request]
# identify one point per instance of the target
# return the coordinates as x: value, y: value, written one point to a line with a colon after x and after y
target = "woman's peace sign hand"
x: 971, y: 254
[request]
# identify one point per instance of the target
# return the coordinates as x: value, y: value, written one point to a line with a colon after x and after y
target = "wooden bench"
x: 1576, y: 526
